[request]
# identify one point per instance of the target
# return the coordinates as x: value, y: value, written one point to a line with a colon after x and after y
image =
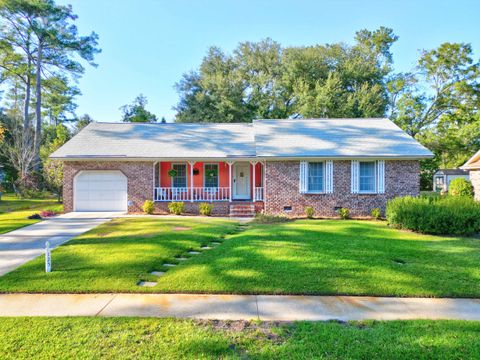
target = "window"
x: 315, y: 177
x: 210, y: 175
x: 180, y: 180
x: 367, y: 176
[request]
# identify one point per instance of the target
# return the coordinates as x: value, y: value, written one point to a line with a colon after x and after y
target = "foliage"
x: 376, y: 213
x: 172, y: 173
x: 47, y: 213
x: 53, y: 169
x: 176, y: 208
x: 136, y: 112
x: 449, y: 215
x: 205, y: 209
x: 264, y: 80
x: 344, y: 213
x: 261, y: 218
x: 309, y: 212
x: 460, y: 187
x: 148, y: 207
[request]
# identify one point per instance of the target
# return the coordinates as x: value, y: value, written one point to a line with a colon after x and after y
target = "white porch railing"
x: 187, y: 194
x: 259, y: 193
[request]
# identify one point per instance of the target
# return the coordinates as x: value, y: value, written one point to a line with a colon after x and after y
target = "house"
x: 473, y: 165
x: 279, y: 166
x: 443, y: 177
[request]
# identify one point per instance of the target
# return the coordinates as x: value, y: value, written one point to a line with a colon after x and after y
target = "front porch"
x: 224, y: 181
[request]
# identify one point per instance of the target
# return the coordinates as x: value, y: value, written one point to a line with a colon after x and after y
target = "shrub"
x: 344, y: 213
x: 176, y: 208
x: 47, y: 213
x: 309, y: 212
x: 450, y: 215
x: 148, y: 207
x: 261, y: 218
x: 205, y: 209
x: 460, y: 187
x: 376, y: 213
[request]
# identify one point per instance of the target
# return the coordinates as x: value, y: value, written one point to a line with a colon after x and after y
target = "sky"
x: 148, y: 44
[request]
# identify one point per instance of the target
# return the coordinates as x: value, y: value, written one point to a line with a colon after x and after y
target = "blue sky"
x: 148, y: 44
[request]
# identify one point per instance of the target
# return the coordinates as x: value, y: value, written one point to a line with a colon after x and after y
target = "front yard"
x: 115, y: 338
x: 14, y: 212
x: 298, y: 257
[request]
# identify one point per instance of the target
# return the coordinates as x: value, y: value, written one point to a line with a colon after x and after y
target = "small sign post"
x: 48, y: 258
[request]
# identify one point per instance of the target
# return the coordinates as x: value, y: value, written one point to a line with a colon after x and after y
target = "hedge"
x: 452, y: 215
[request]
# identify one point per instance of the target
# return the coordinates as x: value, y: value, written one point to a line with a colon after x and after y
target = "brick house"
x: 473, y: 165
x: 279, y: 166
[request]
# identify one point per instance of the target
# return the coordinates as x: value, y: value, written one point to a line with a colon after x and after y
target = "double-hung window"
x: 211, y: 175
x: 180, y: 179
x: 316, y: 177
x: 367, y: 177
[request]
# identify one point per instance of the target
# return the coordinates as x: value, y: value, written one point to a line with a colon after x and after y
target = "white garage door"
x: 100, y: 191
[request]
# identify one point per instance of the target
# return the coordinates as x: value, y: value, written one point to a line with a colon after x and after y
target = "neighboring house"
x: 279, y: 166
x: 473, y: 165
x: 443, y: 177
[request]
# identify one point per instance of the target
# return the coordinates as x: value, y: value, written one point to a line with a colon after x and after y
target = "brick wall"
x: 475, y: 179
x: 138, y: 173
x: 282, y: 189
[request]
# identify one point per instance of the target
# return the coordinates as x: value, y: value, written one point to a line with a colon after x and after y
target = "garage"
x: 100, y: 190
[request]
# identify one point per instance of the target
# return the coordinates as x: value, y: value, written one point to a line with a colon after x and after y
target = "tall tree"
x: 43, y: 36
x: 264, y: 80
x: 137, y: 112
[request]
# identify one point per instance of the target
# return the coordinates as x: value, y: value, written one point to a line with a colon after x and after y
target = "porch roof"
x: 263, y: 139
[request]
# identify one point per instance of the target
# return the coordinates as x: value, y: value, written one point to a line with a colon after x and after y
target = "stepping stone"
x: 158, y: 273
x: 147, y: 283
x: 181, y: 258
x: 205, y: 247
x: 169, y: 265
x: 194, y: 252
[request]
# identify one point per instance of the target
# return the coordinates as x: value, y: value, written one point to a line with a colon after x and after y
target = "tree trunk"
x: 38, y: 107
x: 26, y: 107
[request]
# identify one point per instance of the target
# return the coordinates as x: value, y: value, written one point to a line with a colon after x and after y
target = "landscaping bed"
x: 315, y: 257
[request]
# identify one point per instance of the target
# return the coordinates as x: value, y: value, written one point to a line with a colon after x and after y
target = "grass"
x: 316, y: 257
x: 121, y: 338
x: 115, y: 256
x: 14, y: 212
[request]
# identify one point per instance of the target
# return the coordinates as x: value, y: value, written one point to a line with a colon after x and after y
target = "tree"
x: 264, y: 80
x: 136, y: 112
x: 47, y: 45
x: 53, y: 169
x: 438, y: 105
x: 81, y: 122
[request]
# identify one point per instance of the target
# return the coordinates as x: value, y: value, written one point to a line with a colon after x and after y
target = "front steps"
x: 244, y: 209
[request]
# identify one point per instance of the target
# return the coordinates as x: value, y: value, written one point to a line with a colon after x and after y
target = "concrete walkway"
x: 22, y: 245
x: 238, y: 307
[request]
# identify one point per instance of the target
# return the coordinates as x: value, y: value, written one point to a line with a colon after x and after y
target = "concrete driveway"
x: 22, y: 245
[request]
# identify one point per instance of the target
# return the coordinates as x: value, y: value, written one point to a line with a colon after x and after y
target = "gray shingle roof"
x: 263, y: 138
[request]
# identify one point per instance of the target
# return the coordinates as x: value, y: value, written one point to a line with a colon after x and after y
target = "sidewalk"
x: 239, y: 307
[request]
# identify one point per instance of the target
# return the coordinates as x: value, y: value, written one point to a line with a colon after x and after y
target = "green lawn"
x: 130, y: 338
x: 14, y: 212
x: 298, y: 257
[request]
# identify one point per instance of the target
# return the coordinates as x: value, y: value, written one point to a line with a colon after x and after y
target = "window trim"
x: 375, y: 175
x: 218, y: 175
x: 323, y: 178
x: 186, y: 177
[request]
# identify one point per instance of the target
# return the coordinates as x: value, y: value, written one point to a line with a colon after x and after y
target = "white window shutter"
x: 303, y: 177
x: 355, y: 176
x: 381, y: 176
x: 329, y: 177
